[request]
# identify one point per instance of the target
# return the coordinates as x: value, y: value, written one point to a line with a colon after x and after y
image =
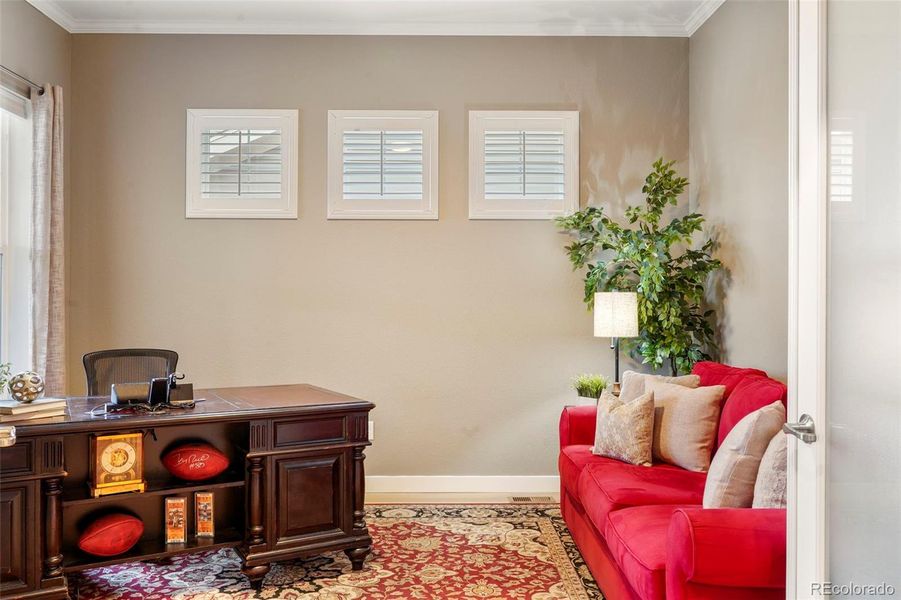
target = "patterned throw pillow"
x: 685, y: 422
x: 634, y: 383
x: 625, y: 429
x: 769, y: 490
x: 733, y: 472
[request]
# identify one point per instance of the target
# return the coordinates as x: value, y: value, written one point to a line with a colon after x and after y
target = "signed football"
x: 195, y: 462
x: 111, y: 535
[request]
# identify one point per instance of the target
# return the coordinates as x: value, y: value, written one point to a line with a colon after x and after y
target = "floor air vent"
x: 530, y: 499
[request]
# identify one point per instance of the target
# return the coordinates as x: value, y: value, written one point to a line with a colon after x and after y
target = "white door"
x: 844, y: 528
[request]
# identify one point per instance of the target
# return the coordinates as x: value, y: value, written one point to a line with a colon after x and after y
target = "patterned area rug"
x: 420, y: 552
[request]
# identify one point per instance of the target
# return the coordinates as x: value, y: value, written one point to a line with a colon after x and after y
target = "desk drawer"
x: 292, y: 433
x: 18, y: 459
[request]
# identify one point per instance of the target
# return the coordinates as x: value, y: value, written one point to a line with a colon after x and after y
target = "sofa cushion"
x: 637, y: 540
x: 714, y: 373
x: 607, y: 487
x: 625, y: 429
x: 769, y: 489
x: 750, y: 394
x: 634, y: 383
x: 573, y: 459
x: 685, y: 423
x: 733, y: 471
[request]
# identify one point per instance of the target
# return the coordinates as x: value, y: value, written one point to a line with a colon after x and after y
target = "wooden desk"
x: 294, y: 489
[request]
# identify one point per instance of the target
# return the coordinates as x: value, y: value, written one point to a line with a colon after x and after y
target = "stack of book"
x: 42, y: 408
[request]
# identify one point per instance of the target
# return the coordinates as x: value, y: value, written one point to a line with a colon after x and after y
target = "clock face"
x: 118, y: 457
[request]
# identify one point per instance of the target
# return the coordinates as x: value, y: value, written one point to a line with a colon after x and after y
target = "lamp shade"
x: 616, y: 314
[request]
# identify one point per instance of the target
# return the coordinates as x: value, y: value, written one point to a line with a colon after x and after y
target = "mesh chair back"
x: 133, y: 365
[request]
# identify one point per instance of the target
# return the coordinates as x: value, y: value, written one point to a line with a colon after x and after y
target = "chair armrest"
x: 577, y: 424
x: 729, y: 547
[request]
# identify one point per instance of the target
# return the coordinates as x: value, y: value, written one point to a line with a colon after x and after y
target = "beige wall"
x: 739, y: 171
x: 464, y: 333
x: 32, y: 45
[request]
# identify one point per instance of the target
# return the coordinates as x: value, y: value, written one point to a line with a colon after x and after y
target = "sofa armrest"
x: 577, y: 425
x: 727, y: 547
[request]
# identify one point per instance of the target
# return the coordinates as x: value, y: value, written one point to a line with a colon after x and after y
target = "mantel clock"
x: 117, y: 464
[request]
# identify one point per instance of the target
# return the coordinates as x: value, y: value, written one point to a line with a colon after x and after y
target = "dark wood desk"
x: 295, y: 486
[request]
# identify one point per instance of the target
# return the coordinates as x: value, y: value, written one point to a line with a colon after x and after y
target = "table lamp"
x: 615, y: 317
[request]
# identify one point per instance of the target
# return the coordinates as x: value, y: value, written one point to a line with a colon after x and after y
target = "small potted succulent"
x: 589, y: 386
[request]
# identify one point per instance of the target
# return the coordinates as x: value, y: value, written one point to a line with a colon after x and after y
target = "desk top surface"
x: 85, y: 412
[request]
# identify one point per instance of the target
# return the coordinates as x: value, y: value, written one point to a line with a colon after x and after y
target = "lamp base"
x: 616, y: 388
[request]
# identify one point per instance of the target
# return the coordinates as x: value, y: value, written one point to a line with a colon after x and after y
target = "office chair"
x: 130, y: 365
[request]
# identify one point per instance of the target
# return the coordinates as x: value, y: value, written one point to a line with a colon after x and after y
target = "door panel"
x: 16, y: 541
x: 310, y: 489
x: 863, y: 364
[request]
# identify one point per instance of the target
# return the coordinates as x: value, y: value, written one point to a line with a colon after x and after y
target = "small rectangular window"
x: 241, y: 164
x: 841, y: 165
x: 523, y: 165
x: 520, y: 164
x: 383, y: 165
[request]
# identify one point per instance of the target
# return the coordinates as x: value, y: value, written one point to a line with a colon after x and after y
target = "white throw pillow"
x: 733, y: 471
x: 769, y: 490
x: 625, y: 430
x: 685, y: 421
x: 633, y: 384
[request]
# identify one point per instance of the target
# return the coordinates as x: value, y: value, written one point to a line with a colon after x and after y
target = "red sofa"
x: 642, y: 530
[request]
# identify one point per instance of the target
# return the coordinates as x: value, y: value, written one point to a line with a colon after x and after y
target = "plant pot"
x: 585, y: 401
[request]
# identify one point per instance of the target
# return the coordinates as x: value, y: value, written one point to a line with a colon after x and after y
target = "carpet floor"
x: 427, y: 552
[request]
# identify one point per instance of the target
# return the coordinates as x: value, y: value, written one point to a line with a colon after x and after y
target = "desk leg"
x: 255, y: 534
x: 53, y: 516
x: 358, y: 555
x: 255, y: 528
x: 256, y: 575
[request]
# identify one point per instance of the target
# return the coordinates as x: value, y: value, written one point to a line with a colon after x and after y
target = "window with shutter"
x: 242, y: 164
x: 846, y: 179
x: 841, y: 165
x: 523, y: 165
x: 383, y: 165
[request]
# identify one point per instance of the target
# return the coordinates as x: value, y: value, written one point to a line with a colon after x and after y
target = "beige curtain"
x: 47, y: 263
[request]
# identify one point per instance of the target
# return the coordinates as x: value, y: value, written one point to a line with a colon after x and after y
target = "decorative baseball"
x: 26, y: 386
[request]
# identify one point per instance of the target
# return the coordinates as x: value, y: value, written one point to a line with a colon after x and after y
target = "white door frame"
x: 807, y: 540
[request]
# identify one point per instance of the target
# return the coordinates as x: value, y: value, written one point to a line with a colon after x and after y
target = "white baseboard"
x: 512, y: 484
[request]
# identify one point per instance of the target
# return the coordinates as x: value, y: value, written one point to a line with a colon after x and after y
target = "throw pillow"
x: 685, y: 422
x: 625, y: 429
x: 633, y: 384
x: 733, y: 471
x: 769, y: 490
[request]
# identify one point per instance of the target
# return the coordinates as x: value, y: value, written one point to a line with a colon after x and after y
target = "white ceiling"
x: 679, y: 18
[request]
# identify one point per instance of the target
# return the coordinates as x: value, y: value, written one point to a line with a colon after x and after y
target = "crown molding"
x: 56, y: 13
x: 700, y: 15
x: 54, y: 9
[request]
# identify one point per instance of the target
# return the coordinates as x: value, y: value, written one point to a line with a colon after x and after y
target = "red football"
x: 111, y: 535
x: 195, y: 462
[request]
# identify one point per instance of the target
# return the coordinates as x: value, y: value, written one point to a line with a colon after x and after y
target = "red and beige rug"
x: 423, y: 552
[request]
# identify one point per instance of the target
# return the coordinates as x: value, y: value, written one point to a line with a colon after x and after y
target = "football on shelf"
x: 111, y: 535
x: 195, y: 462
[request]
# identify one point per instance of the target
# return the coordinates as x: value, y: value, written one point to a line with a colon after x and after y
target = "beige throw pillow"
x: 685, y: 421
x: 633, y: 384
x: 625, y: 429
x: 733, y: 471
x: 769, y: 490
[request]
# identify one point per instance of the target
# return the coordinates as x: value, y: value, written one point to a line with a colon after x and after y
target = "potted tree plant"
x: 658, y: 261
